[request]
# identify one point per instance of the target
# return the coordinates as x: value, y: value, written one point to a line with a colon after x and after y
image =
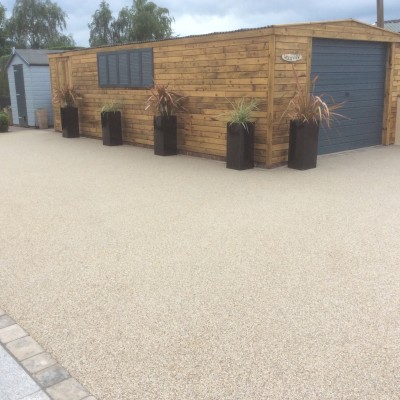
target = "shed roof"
x: 33, y: 56
x: 384, y: 34
x: 393, y: 25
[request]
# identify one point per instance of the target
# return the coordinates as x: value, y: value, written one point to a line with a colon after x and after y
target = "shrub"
x: 242, y: 111
x: 305, y: 106
x: 66, y: 96
x: 111, y: 106
x: 164, y: 102
x: 3, y: 122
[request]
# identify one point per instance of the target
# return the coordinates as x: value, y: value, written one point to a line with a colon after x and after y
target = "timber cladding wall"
x: 393, y: 92
x: 208, y: 70
x: 283, y: 88
x: 212, y: 69
x: 299, y: 39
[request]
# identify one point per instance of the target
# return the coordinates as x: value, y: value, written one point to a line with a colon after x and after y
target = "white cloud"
x: 206, y: 16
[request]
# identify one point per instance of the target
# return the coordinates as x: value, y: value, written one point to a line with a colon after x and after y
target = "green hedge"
x: 3, y: 122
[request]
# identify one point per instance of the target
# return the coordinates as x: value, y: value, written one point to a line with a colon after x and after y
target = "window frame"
x: 131, y: 84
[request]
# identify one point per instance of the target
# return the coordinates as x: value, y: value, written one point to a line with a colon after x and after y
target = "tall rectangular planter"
x: 70, y: 122
x: 303, y: 145
x: 111, y: 128
x: 165, y: 136
x: 240, y: 146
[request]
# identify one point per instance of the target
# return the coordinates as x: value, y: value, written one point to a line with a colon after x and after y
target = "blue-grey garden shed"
x: 30, y: 89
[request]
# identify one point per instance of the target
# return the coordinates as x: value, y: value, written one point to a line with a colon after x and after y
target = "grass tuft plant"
x: 111, y: 106
x: 241, y: 112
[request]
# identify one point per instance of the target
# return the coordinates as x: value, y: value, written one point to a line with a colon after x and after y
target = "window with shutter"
x: 136, y: 68
x: 130, y: 69
x: 112, y: 60
x: 123, y: 69
x: 102, y: 69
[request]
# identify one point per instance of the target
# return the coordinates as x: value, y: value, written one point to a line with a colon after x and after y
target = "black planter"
x: 111, y: 127
x: 70, y: 122
x: 303, y: 145
x: 165, y: 136
x: 240, y: 146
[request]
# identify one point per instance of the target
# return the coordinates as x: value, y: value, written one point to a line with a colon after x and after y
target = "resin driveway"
x: 175, y: 278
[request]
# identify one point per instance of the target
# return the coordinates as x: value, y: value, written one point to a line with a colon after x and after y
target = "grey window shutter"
x: 102, y: 69
x: 112, y: 69
x: 126, y: 69
x: 123, y: 69
x: 147, y: 67
x: 136, y: 68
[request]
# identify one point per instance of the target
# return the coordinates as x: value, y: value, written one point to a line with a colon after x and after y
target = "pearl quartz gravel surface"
x: 175, y: 278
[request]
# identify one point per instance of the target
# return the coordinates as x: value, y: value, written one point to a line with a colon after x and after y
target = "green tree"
x: 122, y: 26
x: 38, y: 24
x: 5, y: 52
x: 101, y: 26
x: 4, y: 90
x: 4, y: 42
x: 143, y: 21
x: 151, y: 21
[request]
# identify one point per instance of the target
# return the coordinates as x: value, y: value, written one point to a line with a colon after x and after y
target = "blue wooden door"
x: 20, y: 92
x: 351, y: 71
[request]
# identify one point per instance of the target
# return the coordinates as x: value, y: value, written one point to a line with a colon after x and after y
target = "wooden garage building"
x: 355, y: 62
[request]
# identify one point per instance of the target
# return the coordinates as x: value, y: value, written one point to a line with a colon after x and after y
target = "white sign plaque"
x: 292, y: 57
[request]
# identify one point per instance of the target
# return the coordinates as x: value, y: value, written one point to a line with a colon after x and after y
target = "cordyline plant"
x: 67, y: 96
x: 307, y: 107
x: 164, y: 102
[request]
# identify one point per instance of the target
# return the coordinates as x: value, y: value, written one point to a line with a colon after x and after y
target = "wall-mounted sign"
x: 292, y: 57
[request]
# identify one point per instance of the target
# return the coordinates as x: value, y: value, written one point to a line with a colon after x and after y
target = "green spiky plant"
x: 111, y: 106
x: 242, y: 111
x: 164, y: 102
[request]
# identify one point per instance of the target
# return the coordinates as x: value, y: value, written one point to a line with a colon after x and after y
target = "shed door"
x: 20, y: 92
x: 351, y: 71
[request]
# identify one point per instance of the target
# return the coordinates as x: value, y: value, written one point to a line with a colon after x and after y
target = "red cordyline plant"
x: 307, y: 107
x: 67, y: 96
x: 164, y: 102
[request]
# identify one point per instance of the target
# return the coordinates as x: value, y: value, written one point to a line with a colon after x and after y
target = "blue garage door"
x: 354, y: 72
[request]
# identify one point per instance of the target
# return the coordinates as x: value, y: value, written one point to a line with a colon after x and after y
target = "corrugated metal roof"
x: 393, y: 25
x: 178, y: 37
x: 224, y: 32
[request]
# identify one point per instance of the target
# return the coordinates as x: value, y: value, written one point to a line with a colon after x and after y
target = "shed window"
x: 133, y: 68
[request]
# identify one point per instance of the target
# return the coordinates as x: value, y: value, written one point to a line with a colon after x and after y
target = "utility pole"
x: 379, y: 10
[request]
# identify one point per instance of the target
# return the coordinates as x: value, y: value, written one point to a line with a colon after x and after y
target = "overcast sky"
x: 206, y: 16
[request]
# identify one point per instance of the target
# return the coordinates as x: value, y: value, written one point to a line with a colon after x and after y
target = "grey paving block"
x: 15, y: 383
x: 11, y: 333
x: 67, y: 390
x: 37, y: 396
x: 37, y: 363
x: 51, y: 375
x: 24, y: 348
x: 5, y: 321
